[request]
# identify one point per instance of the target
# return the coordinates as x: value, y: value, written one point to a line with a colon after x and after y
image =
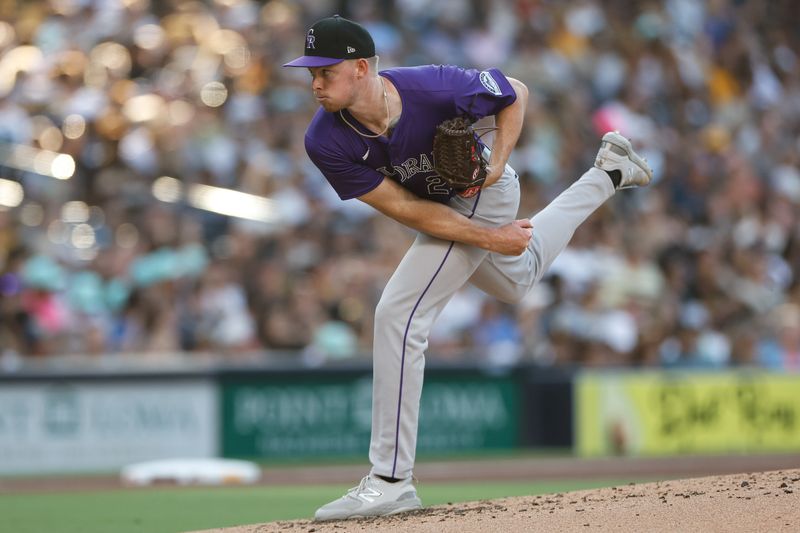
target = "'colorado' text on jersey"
x: 355, y: 165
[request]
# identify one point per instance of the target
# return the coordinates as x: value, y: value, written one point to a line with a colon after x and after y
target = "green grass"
x: 169, y: 510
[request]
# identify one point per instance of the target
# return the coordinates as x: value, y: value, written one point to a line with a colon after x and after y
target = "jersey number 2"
x: 437, y: 185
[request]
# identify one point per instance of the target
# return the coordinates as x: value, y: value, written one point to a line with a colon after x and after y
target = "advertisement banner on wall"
x: 665, y: 413
x: 333, y: 416
x: 88, y: 426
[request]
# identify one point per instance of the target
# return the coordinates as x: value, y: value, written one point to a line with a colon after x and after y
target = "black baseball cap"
x: 332, y: 40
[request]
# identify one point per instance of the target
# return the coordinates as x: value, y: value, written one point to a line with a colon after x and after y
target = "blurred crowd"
x: 151, y: 99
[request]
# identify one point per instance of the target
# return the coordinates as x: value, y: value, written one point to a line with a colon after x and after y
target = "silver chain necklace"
x: 386, y: 100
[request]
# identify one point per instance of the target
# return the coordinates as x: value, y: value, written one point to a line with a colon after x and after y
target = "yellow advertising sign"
x: 664, y: 413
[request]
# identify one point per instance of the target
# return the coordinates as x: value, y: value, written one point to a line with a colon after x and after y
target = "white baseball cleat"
x: 616, y: 153
x: 372, y: 497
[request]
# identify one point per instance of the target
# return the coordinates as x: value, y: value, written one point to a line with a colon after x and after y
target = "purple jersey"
x: 354, y: 165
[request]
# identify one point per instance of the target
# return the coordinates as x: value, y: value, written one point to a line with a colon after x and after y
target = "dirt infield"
x: 763, y: 501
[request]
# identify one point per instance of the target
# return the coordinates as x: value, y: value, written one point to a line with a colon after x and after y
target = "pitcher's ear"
x: 362, y: 67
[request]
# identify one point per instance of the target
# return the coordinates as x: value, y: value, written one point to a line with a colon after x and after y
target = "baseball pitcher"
x: 402, y: 141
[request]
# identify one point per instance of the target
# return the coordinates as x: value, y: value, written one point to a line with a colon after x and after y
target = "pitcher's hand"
x: 512, y: 238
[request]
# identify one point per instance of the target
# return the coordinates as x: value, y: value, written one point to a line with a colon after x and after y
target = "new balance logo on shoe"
x: 369, y: 494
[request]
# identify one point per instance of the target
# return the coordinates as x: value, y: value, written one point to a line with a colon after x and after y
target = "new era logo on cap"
x: 332, y: 40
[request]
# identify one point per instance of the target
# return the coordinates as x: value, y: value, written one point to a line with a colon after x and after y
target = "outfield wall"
x: 52, y: 422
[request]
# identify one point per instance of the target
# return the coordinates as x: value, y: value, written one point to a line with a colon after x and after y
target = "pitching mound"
x: 763, y: 501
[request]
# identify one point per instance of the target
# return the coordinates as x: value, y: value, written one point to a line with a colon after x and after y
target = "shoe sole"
x: 391, y: 513
x: 612, y: 137
x: 404, y: 510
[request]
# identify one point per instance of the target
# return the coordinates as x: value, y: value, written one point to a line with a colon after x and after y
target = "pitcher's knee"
x: 388, y: 318
x: 402, y: 326
x: 513, y: 294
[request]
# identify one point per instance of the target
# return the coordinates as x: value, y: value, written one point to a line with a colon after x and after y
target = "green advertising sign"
x: 331, y: 415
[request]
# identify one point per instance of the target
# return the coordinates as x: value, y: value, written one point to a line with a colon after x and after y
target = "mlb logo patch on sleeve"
x: 491, y: 85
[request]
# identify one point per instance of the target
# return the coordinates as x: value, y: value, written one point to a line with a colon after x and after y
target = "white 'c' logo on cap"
x: 310, y: 39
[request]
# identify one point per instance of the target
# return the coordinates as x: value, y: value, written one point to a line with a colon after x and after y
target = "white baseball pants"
x: 428, y: 276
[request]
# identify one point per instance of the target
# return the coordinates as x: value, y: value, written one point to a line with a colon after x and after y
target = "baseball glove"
x: 457, y: 156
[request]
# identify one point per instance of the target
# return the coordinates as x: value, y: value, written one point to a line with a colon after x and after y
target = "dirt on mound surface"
x: 762, y: 501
